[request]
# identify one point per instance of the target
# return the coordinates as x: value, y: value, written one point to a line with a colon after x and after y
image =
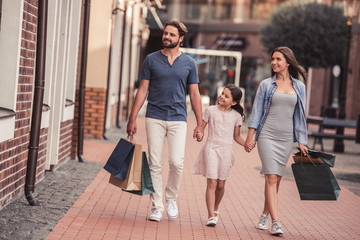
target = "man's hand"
x: 131, y: 128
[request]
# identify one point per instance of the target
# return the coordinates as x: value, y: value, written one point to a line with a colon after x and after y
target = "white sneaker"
x: 211, y: 222
x: 155, y: 216
x: 263, y: 221
x: 217, y: 213
x: 276, y: 229
x: 172, y: 210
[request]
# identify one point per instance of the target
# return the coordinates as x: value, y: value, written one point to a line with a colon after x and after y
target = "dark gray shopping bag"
x: 119, y: 160
x: 315, y: 182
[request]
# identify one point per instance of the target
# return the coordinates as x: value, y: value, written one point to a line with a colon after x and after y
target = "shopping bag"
x: 315, y: 157
x: 299, y: 158
x: 119, y: 160
x: 327, y: 158
x: 146, y: 182
x: 315, y: 182
x: 132, y: 180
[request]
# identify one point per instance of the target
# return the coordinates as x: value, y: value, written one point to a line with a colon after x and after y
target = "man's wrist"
x: 132, y: 118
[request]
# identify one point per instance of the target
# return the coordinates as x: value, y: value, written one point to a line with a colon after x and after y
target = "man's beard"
x: 171, y: 45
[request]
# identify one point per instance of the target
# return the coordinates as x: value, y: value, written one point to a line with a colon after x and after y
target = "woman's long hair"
x: 295, y: 69
x: 236, y: 94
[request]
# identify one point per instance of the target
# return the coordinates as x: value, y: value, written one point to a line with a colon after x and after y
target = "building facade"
x: 234, y: 25
x: 116, y: 33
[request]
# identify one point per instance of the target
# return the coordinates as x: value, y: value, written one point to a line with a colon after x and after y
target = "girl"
x: 216, y: 157
x: 278, y: 118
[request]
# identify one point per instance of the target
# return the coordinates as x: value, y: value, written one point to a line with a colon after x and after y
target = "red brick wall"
x: 41, y: 158
x: 66, y: 130
x: 94, y: 112
x: 75, y: 128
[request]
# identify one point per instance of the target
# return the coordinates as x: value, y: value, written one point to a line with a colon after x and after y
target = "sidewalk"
x: 103, y: 211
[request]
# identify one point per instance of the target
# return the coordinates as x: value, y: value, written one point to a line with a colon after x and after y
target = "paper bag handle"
x: 131, y: 138
x: 301, y: 156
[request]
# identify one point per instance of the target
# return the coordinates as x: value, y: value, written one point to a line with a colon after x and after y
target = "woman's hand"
x: 303, y: 149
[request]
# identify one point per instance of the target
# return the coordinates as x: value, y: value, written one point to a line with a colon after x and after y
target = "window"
x: 221, y: 10
x: 193, y: 8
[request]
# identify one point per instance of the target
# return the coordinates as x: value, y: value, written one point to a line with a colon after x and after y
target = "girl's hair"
x: 236, y: 94
x: 294, y: 69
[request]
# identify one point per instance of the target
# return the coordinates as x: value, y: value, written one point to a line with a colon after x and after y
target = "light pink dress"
x: 217, y: 157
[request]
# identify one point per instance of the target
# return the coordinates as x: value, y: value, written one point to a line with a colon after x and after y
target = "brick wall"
x: 66, y: 130
x: 94, y: 112
x: 75, y: 127
x: 13, y: 153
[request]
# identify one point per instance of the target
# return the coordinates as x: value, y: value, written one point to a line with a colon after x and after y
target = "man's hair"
x: 179, y: 25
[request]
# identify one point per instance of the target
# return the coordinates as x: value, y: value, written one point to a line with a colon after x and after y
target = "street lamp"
x: 351, y: 9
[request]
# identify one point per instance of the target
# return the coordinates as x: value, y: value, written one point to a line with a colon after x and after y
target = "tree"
x: 315, y: 32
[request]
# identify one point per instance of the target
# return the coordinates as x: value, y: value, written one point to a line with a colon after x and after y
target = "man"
x: 165, y: 77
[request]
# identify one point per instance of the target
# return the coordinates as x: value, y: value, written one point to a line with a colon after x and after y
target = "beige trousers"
x: 156, y: 131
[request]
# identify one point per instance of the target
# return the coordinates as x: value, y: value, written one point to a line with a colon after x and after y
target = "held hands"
x: 249, y: 145
x: 199, y: 136
x: 198, y: 133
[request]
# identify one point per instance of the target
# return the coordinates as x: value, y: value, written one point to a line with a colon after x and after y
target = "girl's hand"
x: 303, y: 149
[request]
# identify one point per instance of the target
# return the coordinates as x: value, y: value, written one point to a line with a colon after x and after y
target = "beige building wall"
x: 99, y: 43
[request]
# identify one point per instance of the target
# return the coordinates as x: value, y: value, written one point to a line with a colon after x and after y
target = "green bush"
x: 315, y: 32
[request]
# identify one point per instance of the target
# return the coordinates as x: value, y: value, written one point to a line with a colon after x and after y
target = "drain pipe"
x: 83, y: 81
x: 121, y: 69
x: 37, y: 104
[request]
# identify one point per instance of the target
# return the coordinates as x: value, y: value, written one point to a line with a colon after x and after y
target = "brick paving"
x: 103, y: 211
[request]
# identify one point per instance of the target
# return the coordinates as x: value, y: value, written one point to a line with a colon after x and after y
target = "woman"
x: 278, y: 119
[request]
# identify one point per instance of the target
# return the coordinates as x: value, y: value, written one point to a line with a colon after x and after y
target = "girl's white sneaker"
x: 211, y: 222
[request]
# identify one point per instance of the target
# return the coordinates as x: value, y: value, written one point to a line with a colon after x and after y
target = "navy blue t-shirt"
x: 168, y: 83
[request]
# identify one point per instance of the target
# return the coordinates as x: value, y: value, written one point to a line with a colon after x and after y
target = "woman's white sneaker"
x: 217, y: 213
x: 276, y: 228
x: 263, y: 221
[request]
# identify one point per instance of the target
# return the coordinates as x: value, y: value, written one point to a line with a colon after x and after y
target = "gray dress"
x: 276, y: 137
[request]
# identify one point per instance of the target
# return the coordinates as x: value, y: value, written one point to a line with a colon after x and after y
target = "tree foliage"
x: 315, y: 32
